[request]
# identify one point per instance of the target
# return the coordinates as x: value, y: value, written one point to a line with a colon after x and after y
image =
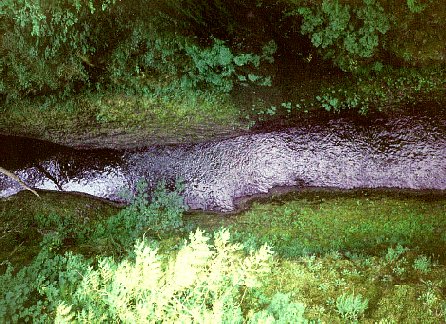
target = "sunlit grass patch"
x: 187, y: 107
x: 329, y: 286
x: 346, y: 223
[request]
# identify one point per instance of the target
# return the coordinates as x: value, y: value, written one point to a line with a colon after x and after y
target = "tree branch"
x: 16, y: 178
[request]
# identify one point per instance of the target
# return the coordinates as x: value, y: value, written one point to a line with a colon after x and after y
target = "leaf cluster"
x: 347, y: 35
x: 58, y: 48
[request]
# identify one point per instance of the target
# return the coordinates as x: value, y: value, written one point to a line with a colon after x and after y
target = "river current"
x: 406, y: 152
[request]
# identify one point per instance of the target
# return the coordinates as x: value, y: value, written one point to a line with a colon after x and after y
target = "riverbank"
x: 109, y: 120
x: 383, y: 250
x: 186, y: 73
x: 123, y: 122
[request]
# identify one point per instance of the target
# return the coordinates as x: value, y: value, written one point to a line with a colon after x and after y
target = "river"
x: 344, y: 152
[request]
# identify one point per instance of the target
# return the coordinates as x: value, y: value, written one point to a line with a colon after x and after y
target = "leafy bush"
x: 414, y: 6
x: 157, y: 216
x: 33, y: 293
x: 348, y: 36
x: 422, y: 263
x: 57, y: 48
x: 44, y: 45
x: 162, y: 213
x: 217, y: 66
x: 281, y: 310
x: 202, y: 283
x: 393, y: 254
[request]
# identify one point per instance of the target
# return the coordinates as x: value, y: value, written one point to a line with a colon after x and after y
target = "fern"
x: 200, y: 284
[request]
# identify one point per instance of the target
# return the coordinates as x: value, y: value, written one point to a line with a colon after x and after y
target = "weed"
x: 202, y: 282
x: 399, y: 268
x: 393, y: 254
x: 415, y: 7
x: 345, y: 35
x: 351, y: 306
x: 160, y: 214
x: 303, y: 282
x: 422, y: 263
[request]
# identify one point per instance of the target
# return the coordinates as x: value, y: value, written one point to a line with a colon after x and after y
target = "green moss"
x: 122, y: 119
x: 20, y: 231
x: 363, y: 222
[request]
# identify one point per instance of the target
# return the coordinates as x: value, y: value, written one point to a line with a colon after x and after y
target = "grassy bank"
x: 362, y: 256
x: 119, y: 121
x: 127, y: 121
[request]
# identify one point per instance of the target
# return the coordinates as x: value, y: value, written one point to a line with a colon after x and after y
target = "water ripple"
x: 405, y: 152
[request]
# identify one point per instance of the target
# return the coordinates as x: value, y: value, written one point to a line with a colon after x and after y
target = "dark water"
x: 400, y: 152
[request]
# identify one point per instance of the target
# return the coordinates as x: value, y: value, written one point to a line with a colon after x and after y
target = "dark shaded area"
x: 21, y: 153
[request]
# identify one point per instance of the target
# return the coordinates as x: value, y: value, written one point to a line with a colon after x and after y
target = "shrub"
x: 45, y: 45
x: 160, y: 214
x: 217, y: 66
x: 414, y: 6
x: 202, y: 283
x: 422, y: 263
x: 393, y: 254
x: 348, y: 36
x: 33, y: 293
x: 57, y: 48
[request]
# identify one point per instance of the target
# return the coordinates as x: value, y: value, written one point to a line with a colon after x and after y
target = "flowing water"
x: 394, y: 152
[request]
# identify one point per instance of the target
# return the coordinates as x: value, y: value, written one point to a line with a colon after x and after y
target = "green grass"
x: 369, y: 256
x: 387, y: 246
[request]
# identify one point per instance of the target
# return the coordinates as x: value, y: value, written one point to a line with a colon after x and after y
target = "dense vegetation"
x: 332, y: 257
x: 172, y: 69
x: 126, y: 62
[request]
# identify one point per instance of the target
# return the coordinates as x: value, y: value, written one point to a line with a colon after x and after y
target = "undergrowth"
x: 370, y: 258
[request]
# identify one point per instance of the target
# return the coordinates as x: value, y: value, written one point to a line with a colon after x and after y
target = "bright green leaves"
x: 346, y: 35
x: 415, y: 7
x: 338, y: 17
x: 351, y: 306
x: 45, y: 44
x: 217, y: 67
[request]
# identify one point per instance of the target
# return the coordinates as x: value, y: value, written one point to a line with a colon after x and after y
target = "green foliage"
x: 415, y: 7
x: 281, y: 310
x: 328, y: 102
x: 44, y: 45
x: 201, y: 283
x: 351, y: 306
x: 381, y: 87
x: 343, y: 241
x: 422, y: 263
x: 295, y: 229
x: 32, y: 293
x: 136, y: 47
x: 217, y: 66
x: 393, y: 254
x: 348, y: 36
x: 162, y: 212
x: 157, y: 216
